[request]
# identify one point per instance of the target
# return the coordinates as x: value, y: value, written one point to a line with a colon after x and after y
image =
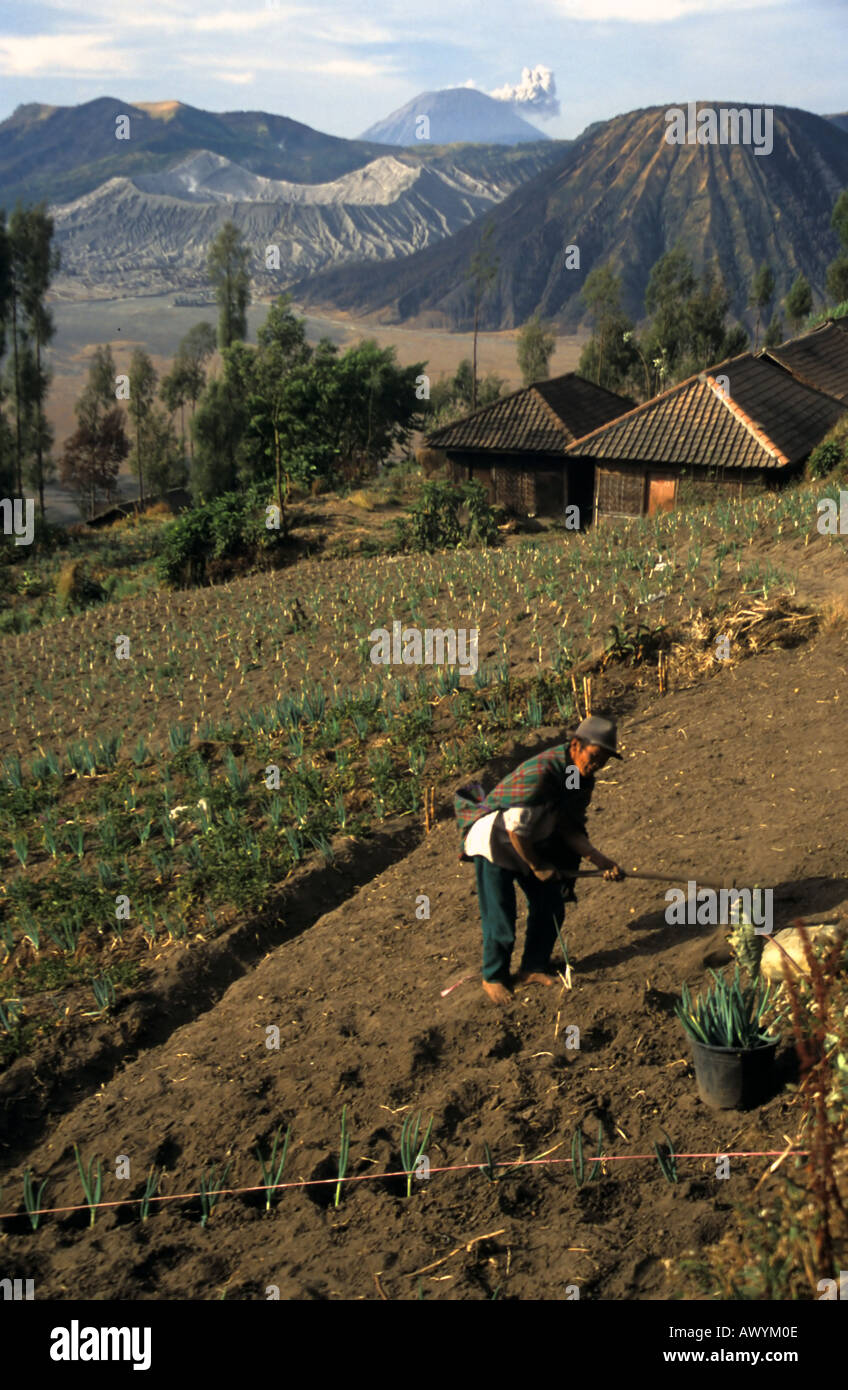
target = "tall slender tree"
x: 142, y: 395
x: 187, y: 377
x: 42, y: 262
x: 7, y: 453
x: 762, y: 294
x: 17, y: 258
x: 93, y: 454
x: 482, y: 273
x: 227, y: 267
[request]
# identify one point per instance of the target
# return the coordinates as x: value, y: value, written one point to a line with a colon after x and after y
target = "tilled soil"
x: 739, y: 778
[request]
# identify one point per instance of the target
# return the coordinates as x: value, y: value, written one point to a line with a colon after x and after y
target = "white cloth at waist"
x: 489, y: 835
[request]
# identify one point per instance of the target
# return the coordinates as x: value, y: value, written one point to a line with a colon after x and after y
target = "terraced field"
x: 253, y: 787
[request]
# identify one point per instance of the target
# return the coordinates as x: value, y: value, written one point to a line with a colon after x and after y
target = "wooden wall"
x: 523, y: 482
x: 624, y: 489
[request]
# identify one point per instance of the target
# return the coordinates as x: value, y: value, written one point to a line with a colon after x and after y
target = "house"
x: 517, y: 446
x: 176, y: 499
x: 819, y: 358
x: 748, y: 422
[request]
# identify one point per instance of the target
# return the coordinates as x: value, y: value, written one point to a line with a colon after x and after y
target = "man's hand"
x: 611, y: 870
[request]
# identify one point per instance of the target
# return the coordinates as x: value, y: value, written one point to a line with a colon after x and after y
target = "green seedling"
x: 488, y: 1168
x: 32, y: 1200
x: 210, y: 1191
x: 68, y: 934
x: 410, y: 1149
x: 169, y: 830
x: 344, y: 1150
x: 92, y: 1183
x: 667, y: 1161
x: 151, y: 1189
x: 271, y: 1175
x: 566, y: 978
x: 20, y: 845
x: 178, y: 737
x: 577, y: 1164
x: 103, y: 988
x: 75, y: 839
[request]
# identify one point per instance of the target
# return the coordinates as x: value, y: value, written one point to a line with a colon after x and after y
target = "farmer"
x: 532, y: 828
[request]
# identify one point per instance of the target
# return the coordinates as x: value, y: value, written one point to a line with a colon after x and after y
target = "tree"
x: 762, y: 294
x: 774, y: 332
x: 709, y: 341
x: 798, y: 302
x: 7, y: 441
x: 164, y: 456
x: 187, y: 377
x: 837, y: 279
x: 31, y: 262
x: 611, y: 356
x: 671, y: 284
x: 142, y: 395
x: 489, y: 387
x: 373, y: 406
x: 482, y: 273
x: 839, y: 218
x: 94, y: 452
x: 227, y: 267
x: 535, y: 344
x: 218, y: 427
x: 17, y: 238
x: 173, y: 393
x: 282, y: 347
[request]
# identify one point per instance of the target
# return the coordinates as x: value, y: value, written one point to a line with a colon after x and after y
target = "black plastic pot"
x: 734, y: 1078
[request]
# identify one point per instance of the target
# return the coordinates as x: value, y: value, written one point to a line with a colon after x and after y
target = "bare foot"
x: 533, y: 977
x: 497, y: 992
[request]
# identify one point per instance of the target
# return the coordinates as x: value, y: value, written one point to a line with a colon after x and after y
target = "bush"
x: 226, y: 534
x: 824, y: 458
x: 445, y: 515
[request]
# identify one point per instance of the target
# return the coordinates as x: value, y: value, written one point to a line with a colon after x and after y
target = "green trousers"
x: 496, y: 896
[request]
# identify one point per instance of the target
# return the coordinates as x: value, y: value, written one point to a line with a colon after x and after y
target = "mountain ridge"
x: 624, y: 196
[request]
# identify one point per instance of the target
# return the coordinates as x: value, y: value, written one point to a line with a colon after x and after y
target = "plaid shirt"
x: 540, y: 780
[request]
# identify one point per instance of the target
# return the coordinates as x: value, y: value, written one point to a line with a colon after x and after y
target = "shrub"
x: 222, y: 535
x: 824, y: 458
x: 445, y: 515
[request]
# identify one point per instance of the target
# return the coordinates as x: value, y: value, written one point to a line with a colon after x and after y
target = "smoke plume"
x: 535, y: 94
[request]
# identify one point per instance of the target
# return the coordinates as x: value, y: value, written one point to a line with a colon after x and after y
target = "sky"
x: 340, y: 66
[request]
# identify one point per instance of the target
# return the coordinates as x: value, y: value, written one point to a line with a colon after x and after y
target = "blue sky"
x: 339, y: 66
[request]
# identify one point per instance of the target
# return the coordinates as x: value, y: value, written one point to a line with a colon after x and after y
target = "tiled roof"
x: 819, y: 358
x: 767, y: 419
x: 541, y: 418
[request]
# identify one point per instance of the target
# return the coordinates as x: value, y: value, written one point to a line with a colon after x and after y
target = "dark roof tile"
x: 541, y: 418
x: 767, y: 419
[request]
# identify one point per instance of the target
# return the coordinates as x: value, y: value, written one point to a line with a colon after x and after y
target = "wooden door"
x: 661, y: 492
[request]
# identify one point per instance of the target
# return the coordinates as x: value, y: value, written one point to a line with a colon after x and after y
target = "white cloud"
x: 60, y: 55
x: 653, y: 11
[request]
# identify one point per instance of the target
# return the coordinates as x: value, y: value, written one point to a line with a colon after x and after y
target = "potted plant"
x: 733, y: 1055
